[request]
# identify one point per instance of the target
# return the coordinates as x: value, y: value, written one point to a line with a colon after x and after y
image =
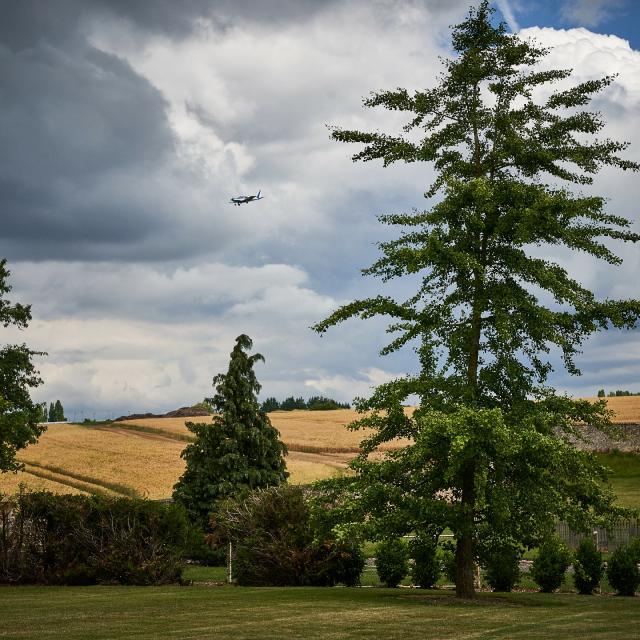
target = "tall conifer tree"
x: 490, y: 457
x: 240, y: 450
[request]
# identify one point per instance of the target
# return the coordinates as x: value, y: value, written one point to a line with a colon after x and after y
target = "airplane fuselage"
x: 238, y: 200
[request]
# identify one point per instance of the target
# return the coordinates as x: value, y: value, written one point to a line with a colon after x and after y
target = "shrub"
x: 622, y: 570
x: 502, y: 566
x: 426, y: 564
x: 274, y: 542
x: 65, y: 539
x: 551, y: 564
x: 337, y: 563
x: 392, y: 561
x: 634, y: 546
x: 587, y: 567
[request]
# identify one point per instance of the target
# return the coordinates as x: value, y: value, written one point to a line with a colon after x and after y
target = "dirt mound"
x: 187, y: 412
x: 183, y: 412
x: 138, y: 416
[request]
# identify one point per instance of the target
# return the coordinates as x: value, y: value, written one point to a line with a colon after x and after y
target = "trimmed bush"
x: 588, y: 567
x: 622, y: 570
x: 392, y: 561
x: 426, y: 565
x: 77, y: 540
x: 502, y: 567
x: 336, y: 563
x: 551, y: 564
x: 634, y: 546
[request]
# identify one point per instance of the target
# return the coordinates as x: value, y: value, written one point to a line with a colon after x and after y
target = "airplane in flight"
x: 238, y: 200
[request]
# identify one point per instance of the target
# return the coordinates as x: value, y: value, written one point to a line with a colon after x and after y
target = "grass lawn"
x: 624, y: 477
x: 83, y: 613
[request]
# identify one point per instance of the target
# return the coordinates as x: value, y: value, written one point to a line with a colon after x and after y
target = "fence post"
x: 230, y: 564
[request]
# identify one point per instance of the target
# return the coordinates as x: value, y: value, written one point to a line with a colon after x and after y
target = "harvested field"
x: 10, y: 484
x: 142, y: 457
x: 120, y: 463
x: 627, y: 408
x: 119, y: 460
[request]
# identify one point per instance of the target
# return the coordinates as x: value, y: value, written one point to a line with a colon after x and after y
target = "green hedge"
x: 75, y: 539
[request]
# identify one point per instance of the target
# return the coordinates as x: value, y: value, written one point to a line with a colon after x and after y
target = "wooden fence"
x: 606, y: 539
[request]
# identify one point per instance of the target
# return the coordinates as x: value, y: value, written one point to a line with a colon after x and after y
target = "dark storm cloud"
x: 71, y: 118
x: 64, y: 123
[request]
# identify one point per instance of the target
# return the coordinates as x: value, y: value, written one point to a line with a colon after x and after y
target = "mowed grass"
x: 624, y: 476
x: 84, y: 613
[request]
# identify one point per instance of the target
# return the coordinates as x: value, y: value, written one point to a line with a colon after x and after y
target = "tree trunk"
x: 465, y: 552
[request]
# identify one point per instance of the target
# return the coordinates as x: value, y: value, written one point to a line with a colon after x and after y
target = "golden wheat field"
x: 626, y: 408
x: 142, y: 457
x: 122, y: 460
x: 312, y: 431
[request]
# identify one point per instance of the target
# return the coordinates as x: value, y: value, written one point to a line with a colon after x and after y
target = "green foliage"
x: 347, y: 563
x: 43, y: 414
x: 426, y: 563
x: 620, y: 393
x: 634, y: 546
x: 622, y: 569
x: 315, y: 403
x: 447, y: 558
x: 204, y: 405
x: 320, y: 403
x: 275, y: 545
x: 550, y: 565
x: 291, y: 403
x: 588, y: 567
x: 68, y: 539
x: 270, y: 404
x: 601, y: 393
x: 501, y: 561
x: 392, y: 561
x: 239, y: 451
x: 481, y: 330
x: 19, y: 416
x: 56, y: 412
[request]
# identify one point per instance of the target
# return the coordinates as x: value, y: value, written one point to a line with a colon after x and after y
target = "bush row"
x: 501, y: 564
x: 73, y: 540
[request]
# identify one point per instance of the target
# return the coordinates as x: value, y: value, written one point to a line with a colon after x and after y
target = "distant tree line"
x: 315, y: 403
x: 617, y: 394
x: 55, y: 412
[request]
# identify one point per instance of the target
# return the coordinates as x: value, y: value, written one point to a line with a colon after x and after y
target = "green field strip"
x: 95, y: 485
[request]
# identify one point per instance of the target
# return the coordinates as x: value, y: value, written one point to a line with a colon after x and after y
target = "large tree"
x: 490, y: 456
x: 239, y: 451
x: 19, y: 416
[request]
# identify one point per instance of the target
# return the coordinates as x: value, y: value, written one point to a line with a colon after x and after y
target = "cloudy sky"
x: 125, y: 127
